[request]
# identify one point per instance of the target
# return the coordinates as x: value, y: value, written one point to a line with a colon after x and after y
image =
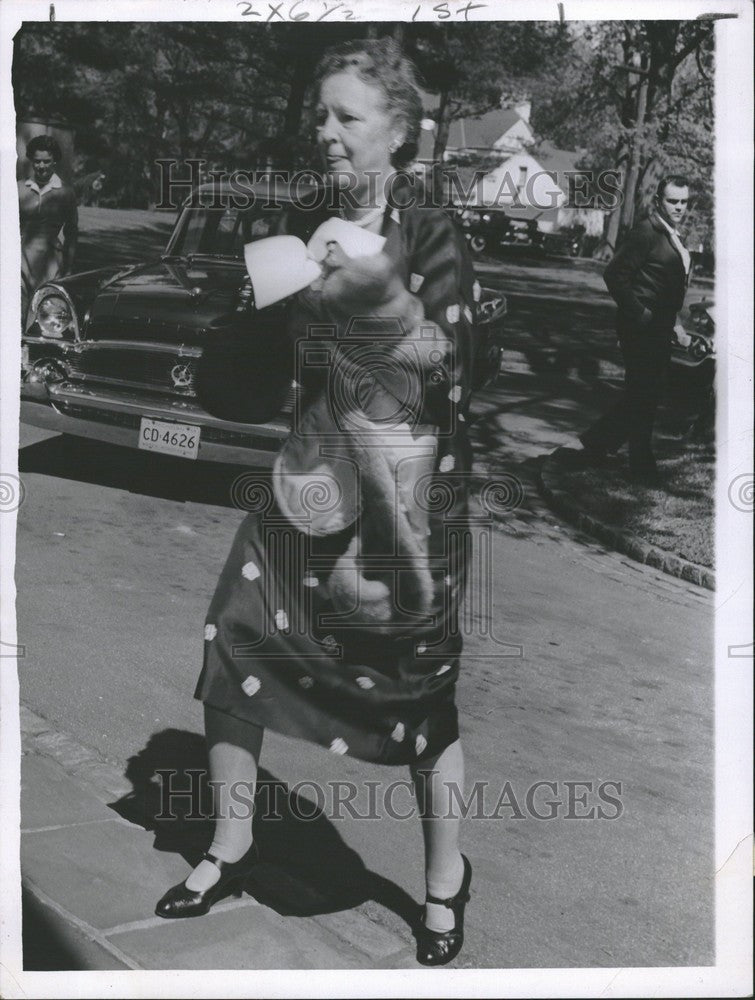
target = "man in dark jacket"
x: 647, y: 278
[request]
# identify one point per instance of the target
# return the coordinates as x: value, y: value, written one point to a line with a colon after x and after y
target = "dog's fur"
x: 383, y: 579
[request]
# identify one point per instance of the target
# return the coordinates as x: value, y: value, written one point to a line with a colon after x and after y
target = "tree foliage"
x: 472, y: 66
x: 233, y: 96
x: 592, y: 103
x: 241, y: 95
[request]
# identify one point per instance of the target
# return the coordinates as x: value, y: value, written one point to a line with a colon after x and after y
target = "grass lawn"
x: 677, y: 517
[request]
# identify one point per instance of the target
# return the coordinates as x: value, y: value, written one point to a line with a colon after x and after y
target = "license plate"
x: 169, y: 438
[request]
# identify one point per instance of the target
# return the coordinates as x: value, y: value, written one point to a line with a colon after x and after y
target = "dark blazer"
x: 646, y: 279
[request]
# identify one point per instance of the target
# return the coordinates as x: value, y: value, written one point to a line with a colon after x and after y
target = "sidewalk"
x: 91, y: 880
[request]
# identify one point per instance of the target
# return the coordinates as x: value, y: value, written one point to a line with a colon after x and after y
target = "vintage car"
x: 565, y: 242
x: 494, y: 231
x: 693, y: 368
x: 159, y: 355
x: 491, y: 230
x: 698, y: 319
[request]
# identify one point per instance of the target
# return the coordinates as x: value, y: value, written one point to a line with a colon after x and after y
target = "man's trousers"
x: 647, y: 355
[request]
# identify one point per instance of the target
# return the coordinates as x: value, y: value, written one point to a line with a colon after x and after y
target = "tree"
x: 470, y: 66
x: 638, y: 97
x: 235, y: 96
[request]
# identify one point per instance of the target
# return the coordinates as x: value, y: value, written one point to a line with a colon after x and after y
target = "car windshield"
x: 223, y: 232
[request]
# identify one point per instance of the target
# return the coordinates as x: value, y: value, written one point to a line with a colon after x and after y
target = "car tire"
x: 477, y: 244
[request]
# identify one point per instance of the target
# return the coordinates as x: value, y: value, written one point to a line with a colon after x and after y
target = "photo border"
x: 733, y: 599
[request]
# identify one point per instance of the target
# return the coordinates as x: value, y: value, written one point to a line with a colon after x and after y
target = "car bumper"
x: 680, y: 356
x: 71, y: 409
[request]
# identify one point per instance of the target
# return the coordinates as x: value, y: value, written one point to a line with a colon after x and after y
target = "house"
x: 499, y: 132
x: 531, y: 181
x: 539, y: 184
x: 503, y: 131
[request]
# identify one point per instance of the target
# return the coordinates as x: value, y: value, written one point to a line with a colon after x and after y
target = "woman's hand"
x: 364, y: 286
x: 335, y: 258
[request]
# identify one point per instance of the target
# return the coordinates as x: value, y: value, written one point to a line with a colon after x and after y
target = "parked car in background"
x: 698, y: 358
x: 566, y: 242
x: 490, y: 230
x: 494, y: 231
x: 693, y: 368
x: 171, y: 355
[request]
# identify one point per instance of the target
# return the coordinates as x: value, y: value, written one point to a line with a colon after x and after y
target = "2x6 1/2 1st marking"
x: 296, y: 11
x: 443, y: 12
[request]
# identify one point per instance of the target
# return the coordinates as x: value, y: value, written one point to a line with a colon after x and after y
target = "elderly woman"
x: 376, y: 574
x: 47, y: 211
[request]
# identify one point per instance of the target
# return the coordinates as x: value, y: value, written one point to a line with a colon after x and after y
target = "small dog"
x: 361, y: 453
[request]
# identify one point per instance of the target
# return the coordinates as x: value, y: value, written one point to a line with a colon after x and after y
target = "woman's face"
x: 43, y: 164
x: 354, y: 130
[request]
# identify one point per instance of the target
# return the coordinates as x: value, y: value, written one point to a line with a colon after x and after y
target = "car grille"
x: 158, y: 370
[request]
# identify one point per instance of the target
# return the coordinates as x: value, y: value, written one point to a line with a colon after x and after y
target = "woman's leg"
x: 234, y: 751
x: 440, y: 816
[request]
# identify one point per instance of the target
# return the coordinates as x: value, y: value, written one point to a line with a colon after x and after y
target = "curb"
x: 372, y: 944
x: 102, y: 779
x: 67, y: 937
x: 630, y: 545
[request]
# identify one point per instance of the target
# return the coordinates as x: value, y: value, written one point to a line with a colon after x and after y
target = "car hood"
x: 168, y: 298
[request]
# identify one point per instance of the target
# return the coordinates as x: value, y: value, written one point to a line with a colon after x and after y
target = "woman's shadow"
x: 305, y: 867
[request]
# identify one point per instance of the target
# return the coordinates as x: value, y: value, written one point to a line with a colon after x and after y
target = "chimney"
x: 523, y: 109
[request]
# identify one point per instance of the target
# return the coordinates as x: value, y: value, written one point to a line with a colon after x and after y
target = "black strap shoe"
x: 182, y: 902
x: 442, y: 947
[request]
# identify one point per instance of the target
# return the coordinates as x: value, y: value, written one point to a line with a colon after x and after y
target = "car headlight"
x: 245, y: 295
x: 54, y: 314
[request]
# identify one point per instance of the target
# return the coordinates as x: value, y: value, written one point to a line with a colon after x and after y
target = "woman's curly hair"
x: 46, y: 144
x: 381, y: 63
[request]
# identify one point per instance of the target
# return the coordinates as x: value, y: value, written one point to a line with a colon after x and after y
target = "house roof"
x: 484, y: 131
x: 471, y: 133
x: 557, y: 161
x: 481, y: 132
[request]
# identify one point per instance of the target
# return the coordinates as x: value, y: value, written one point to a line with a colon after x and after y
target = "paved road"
x: 118, y: 554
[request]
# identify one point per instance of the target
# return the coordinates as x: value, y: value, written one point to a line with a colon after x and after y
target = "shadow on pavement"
x: 305, y: 867
x: 44, y: 950
x: 560, y: 337
x: 160, y: 476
